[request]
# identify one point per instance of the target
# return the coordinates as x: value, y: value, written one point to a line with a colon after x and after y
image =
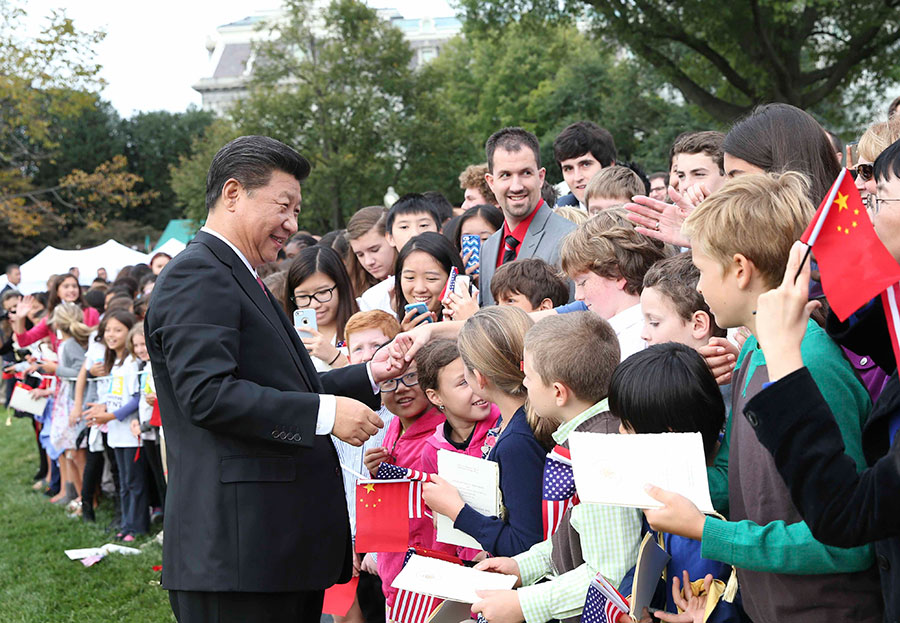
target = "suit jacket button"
x: 883, y: 563
x: 751, y: 417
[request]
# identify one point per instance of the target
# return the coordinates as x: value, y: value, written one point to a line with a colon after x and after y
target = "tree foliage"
x: 188, y: 174
x: 727, y: 58
x: 336, y: 85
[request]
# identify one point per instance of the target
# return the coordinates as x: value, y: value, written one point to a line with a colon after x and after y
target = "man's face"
x: 516, y: 181
x: 473, y: 197
x: 662, y: 322
x: 14, y: 276
x: 101, y: 274
x: 75, y: 272
x: 407, y: 226
x: 698, y: 169
x: 577, y: 172
x: 658, y: 189
x: 887, y: 219
x: 264, y: 217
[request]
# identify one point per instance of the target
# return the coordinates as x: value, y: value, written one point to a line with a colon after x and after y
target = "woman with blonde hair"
x: 491, y: 344
x: 68, y: 321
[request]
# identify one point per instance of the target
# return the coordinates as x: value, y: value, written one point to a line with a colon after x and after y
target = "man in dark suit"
x: 256, y: 524
x: 530, y: 227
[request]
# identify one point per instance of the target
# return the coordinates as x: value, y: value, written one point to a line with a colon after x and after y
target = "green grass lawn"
x: 38, y: 583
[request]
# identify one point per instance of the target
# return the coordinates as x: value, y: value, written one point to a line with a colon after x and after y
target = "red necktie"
x: 262, y: 285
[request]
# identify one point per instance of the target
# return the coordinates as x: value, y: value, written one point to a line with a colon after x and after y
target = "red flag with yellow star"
x: 854, y: 264
x: 382, y: 515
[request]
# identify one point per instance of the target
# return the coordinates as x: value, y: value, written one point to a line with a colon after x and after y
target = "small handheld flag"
x: 854, y: 264
x: 559, y: 489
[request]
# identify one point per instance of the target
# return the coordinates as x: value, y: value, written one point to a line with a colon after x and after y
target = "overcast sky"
x: 154, y: 52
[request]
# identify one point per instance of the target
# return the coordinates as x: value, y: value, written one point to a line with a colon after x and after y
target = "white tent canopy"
x: 171, y: 246
x: 110, y: 255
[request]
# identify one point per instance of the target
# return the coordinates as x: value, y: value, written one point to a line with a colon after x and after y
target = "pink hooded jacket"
x: 429, y: 461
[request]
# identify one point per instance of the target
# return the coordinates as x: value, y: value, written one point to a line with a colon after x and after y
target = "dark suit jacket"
x: 255, y: 499
x: 542, y: 239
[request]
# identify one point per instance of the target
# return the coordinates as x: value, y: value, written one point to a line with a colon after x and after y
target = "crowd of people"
x: 82, y: 351
x: 632, y: 304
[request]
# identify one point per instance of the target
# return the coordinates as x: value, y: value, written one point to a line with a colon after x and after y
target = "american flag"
x: 411, y: 607
x: 600, y: 605
x: 559, y: 489
x: 417, y: 507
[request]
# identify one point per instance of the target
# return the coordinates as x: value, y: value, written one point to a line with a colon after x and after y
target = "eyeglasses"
x: 874, y: 203
x: 410, y: 379
x: 322, y: 296
x: 864, y: 171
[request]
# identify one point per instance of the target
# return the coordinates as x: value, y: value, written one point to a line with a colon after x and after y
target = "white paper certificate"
x: 478, y: 483
x: 613, y: 469
x: 431, y: 576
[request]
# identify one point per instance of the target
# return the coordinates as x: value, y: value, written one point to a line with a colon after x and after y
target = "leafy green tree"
x: 727, y: 58
x: 153, y: 142
x: 188, y: 174
x: 337, y: 86
x: 544, y: 77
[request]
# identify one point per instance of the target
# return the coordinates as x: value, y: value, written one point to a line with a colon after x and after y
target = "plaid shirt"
x: 610, y: 536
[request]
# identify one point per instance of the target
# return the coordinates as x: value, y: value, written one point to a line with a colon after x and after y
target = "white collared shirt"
x: 628, y: 325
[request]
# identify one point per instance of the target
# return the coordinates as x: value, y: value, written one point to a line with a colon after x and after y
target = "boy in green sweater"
x: 741, y: 238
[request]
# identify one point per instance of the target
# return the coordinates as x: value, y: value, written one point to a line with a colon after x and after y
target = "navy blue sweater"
x: 521, y: 460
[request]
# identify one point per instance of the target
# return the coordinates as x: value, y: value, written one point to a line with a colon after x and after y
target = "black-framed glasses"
x: 874, y: 203
x: 410, y: 379
x: 322, y: 296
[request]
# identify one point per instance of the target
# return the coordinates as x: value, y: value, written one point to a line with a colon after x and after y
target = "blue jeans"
x: 133, y: 491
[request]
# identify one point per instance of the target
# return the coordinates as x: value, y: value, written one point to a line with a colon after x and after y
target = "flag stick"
x: 802, y: 262
x: 352, y: 471
x: 824, y: 215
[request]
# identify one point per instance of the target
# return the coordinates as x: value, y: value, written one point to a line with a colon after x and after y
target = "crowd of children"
x: 83, y: 350
x: 659, y: 312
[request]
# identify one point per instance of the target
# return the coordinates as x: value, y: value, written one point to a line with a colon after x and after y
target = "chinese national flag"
x: 382, y: 516
x: 854, y: 264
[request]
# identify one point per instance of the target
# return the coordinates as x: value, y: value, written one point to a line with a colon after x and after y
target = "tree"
x: 188, y: 175
x: 338, y: 87
x: 544, y: 77
x: 153, y: 142
x: 726, y: 59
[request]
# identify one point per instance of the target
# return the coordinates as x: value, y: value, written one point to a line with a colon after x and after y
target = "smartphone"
x: 472, y: 243
x: 421, y: 308
x: 305, y: 319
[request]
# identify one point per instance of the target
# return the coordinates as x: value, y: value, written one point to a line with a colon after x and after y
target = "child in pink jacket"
x: 469, y: 418
x: 404, y: 445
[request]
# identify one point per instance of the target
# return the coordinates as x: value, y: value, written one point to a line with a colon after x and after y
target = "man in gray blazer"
x: 530, y: 227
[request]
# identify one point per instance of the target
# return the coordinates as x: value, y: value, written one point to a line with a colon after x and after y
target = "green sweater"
x: 779, y: 542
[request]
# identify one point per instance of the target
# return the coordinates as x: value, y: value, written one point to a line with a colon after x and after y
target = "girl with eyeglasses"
x: 404, y: 444
x: 317, y: 279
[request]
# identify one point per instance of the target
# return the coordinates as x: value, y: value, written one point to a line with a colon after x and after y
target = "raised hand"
x: 660, y: 220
